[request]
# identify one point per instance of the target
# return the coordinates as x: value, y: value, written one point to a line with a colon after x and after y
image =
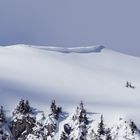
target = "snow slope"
x: 94, y: 74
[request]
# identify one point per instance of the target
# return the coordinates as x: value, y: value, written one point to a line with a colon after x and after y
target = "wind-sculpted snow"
x: 89, y: 49
x: 93, y: 74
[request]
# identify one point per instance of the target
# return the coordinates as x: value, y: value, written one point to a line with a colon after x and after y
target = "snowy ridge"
x: 93, y: 74
x: 85, y: 49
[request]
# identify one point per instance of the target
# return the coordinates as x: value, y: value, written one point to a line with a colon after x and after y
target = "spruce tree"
x: 23, y: 120
x: 51, y: 123
x: 80, y: 122
x: 101, y: 128
x: 2, y: 115
x: 4, y: 128
x: 82, y: 114
x: 133, y: 127
x: 55, y: 111
x: 22, y: 108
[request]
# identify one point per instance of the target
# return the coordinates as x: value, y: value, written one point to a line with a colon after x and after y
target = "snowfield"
x: 96, y: 75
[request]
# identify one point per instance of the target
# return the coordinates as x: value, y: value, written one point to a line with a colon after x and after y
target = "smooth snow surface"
x: 93, y: 74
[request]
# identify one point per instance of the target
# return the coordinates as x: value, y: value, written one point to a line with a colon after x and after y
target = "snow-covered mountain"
x: 96, y: 75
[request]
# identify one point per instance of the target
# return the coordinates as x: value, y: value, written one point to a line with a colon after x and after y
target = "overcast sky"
x: 112, y: 23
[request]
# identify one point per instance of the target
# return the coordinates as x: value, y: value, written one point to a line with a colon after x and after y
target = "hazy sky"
x: 112, y: 23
